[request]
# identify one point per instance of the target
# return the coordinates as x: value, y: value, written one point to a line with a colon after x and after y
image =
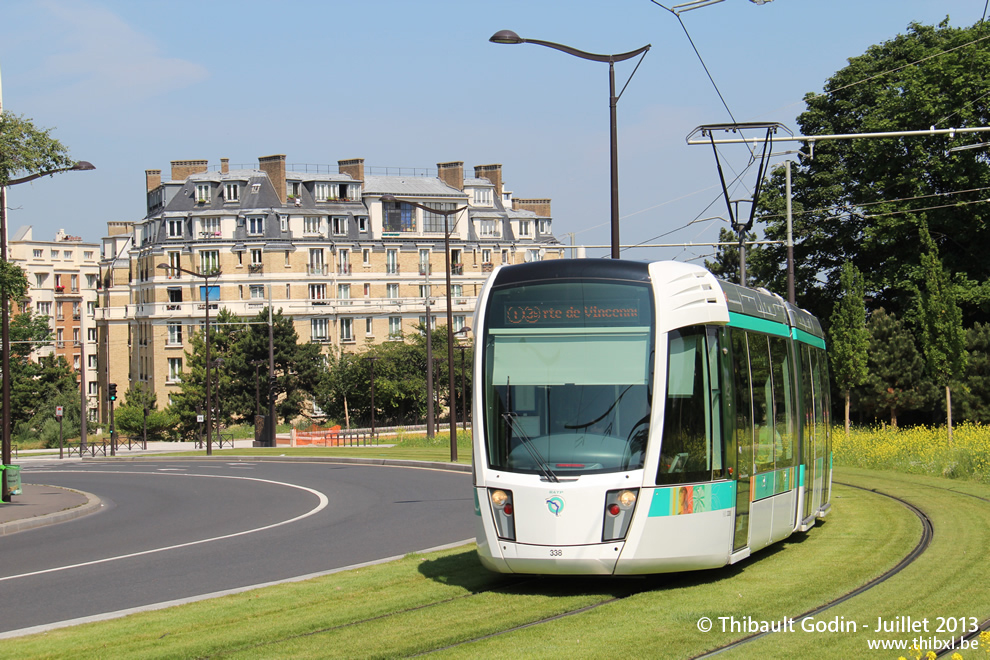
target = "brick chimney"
x: 181, y: 169
x: 491, y: 172
x: 353, y: 168
x: 452, y: 174
x: 152, y: 179
x: 540, y: 207
x: 274, y: 167
x: 224, y: 165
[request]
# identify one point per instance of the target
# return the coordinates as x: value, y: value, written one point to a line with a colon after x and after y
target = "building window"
x: 317, y: 291
x: 369, y: 327
x: 38, y: 254
x: 338, y: 225
x: 231, y: 192
x: 458, y: 322
x: 543, y: 226
x: 457, y: 290
x: 489, y: 228
x: 39, y: 279
x: 257, y: 291
x: 434, y: 222
x: 394, y: 327
x: 532, y: 255
x: 482, y: 197
x: 344, y: 262
x: 211, y: 227
x: 174, y: 334
x: 399, y: 217
x: 321, y: 191
x: 174, y: 370
x: 91, y: 335
x: 256, y: 256
x: 486, y: 256
x: 174, y: 227
x: 319, y: 329
x: 524, y: 228
x: 94, y: 387
x: 346, y: 330
x: 433, y: 322
x: 74, y: 283
x: 344, y: 293
x: 255, y: 226
x: 293, y: 189
x: 392, y: 291
x: 283, y: 223
x: 362, y: 223
x: 203, y: 192
x: 44, y: 309
x: 391, y: 262
x: 424, y: 290
x: 366, y: 256
x: 209, y: 261
x: 312, y: 224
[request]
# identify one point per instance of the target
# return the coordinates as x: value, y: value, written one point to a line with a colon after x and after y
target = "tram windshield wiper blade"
x: 530, y: 446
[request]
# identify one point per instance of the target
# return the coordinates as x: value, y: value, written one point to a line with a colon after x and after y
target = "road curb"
x: 92, y: 505
x: 387, y: 462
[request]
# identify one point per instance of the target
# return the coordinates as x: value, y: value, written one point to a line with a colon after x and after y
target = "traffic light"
x: 112, y: 391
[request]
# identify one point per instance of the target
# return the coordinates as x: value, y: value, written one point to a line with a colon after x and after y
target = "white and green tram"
x: 643, y: 418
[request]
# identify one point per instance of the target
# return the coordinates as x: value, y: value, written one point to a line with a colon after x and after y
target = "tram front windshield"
x: 567, y: 369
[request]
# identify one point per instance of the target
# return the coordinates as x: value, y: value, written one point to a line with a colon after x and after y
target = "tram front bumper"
x: 510, y: 557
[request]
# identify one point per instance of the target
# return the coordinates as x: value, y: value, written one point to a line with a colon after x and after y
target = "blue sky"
x: 132, y: 85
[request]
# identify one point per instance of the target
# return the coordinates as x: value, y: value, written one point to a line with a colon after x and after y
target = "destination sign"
x: 619, y: 312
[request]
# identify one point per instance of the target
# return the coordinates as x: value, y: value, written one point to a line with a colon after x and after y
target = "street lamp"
x: 206, y: 296
x: 5, y: 447
x: 450, y: 313
x: 510, y: 37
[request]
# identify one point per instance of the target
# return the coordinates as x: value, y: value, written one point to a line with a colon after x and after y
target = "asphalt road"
x: 180, y: 529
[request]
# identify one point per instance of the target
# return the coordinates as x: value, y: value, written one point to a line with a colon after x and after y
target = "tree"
x: 861, y: 200
x: 130, y: 418
x: 974, y: 397
x: 25, y: 149
x: 896, y: 379
x: 849, y: 336
x: 943, y: 339
x: 726, y: 263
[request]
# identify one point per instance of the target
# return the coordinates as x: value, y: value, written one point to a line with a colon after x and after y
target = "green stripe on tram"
x: 807, y: 338
x: 746, y: 322
x: 696, y: 498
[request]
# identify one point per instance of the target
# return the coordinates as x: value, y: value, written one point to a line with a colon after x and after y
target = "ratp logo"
x: 555, y: 505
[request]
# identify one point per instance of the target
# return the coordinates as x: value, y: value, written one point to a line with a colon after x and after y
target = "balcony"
x: 487, y: 267
x: 344, y: 269
x: 456, y: 269
x: 256, y: 268
x: 316, y: 269
x: 425, y: 269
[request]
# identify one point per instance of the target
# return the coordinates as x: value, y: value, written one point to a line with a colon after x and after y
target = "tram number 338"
x: 556, y: 552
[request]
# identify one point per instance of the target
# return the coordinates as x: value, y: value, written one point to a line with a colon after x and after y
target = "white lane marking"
x: 324, y: 501
x: 106, y: 616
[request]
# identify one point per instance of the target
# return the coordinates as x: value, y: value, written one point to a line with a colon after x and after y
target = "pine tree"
x: 896, y: 380
x: 849, y: 336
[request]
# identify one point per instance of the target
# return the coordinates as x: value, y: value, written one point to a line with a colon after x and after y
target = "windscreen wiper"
x: 527, y: 442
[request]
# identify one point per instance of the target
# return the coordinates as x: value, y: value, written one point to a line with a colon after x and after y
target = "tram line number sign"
x: 615, y: 312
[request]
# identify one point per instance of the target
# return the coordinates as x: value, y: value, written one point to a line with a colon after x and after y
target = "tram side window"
x: 783, y: 404
x: 744, y: 402
x: 759, y: 360
x: 691, y: 447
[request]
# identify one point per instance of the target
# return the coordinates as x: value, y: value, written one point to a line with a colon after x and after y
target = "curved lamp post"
x: 450, y: 314
x: 5, y: 448
x: 510, y: 37
x: 206, y: 281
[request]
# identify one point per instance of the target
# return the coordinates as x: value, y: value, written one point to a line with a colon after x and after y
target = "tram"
x: 640, y: 418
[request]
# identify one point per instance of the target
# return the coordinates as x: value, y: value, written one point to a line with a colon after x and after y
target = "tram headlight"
x: 502, y: 511
x: 619, y: 507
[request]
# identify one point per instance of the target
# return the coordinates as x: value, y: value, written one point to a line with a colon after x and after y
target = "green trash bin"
x: 13, y: 473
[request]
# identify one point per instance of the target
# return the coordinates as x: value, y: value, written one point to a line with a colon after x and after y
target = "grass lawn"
x: 428, y: 602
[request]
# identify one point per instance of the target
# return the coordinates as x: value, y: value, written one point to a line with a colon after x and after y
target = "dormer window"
x: 293, y: 189
x: 173, y: 227
x: 339, y: 225
x: 203, y: 193
x: 231, y: 192
x: 321, y: 191
x: 543, y: 226
x: 312, y: 224
x: 524, y: 228
x: 256, y: 225
x: 489, y: 228
x: 482, y: 197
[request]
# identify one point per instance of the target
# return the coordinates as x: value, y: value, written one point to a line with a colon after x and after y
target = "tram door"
x: 808, y: 430
x: 742, y: 442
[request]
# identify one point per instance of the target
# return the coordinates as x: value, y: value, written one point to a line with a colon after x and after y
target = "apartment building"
x: 63, y: 277
x: 318, y: 241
